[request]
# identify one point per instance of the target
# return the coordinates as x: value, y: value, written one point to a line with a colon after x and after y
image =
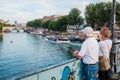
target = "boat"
x: 74, y: 39
x: 57, y: 40
x: 63, y: 40
x: 37, y: 32
x: 50, y: 38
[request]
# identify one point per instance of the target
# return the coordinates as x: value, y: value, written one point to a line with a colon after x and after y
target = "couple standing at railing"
x: 91, y: 53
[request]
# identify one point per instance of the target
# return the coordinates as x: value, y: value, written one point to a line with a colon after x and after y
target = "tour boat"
x: 57, y: 40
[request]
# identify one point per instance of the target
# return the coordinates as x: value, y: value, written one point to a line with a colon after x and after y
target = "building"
x: 4, y: 22
x: 73, y: 31
x: 1, y: 21
x: 21, y: 25
x: 55, y: 17
x: 51, y: 18
x: 45, y: 18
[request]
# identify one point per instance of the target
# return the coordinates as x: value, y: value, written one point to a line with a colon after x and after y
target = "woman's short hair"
x: 105, y: 32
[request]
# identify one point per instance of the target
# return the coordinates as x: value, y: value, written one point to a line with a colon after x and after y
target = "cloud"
x: 22, y: 11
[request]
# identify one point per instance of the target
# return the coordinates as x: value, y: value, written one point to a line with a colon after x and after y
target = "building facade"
x: 51, y: 18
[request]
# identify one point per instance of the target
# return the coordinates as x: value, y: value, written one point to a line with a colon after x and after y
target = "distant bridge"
x: 11, y: 28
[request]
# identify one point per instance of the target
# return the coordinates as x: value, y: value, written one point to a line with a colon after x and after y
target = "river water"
x: 23, y: 53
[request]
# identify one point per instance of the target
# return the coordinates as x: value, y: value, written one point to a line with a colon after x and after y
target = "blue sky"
x: 25, y: 10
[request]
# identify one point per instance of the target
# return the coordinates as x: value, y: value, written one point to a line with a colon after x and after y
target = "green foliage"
x: 118, y: 13
x: 74, y: 17
x: 52, y: 26
x: 59, y: 25
x: 0, y: 28
x: 62, y: 24
x: 3, y: 24
x: 35, y: 23
x: 100, y: 13
x: 45, y: 24
x: 89, y: 14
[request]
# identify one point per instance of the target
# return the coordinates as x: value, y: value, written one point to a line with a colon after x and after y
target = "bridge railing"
x: 69, y: 70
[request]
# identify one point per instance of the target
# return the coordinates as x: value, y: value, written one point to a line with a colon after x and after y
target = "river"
x: 23, y: 53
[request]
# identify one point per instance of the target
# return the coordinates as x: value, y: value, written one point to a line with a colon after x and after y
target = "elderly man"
x: 89, y: 53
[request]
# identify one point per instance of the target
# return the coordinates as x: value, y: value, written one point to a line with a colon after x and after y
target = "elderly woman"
x: 105, y: 47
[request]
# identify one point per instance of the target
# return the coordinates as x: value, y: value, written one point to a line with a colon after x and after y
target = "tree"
x: 118, y: 13
x: 0, y: 28
x: 100, y: 13
x: 62, y: 23
x: 45, y: 24
x: 90, y: 14
x: 29, y: 24
x: 74, y: 18
x: 103, y: 13
x: 35, y: 23
x: 52, y: 26
x: 59, y: 25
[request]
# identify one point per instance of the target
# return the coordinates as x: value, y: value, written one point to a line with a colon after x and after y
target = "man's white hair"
x: 88, y: 31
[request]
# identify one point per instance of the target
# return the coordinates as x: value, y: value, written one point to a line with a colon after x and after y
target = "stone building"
x: 51, y: 18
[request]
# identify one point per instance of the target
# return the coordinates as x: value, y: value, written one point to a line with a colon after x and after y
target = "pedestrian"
x: 105, y: 47
x: 89, y: 53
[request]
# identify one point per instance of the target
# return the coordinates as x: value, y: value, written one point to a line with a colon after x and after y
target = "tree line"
x: 3, y: 24
x: 96, y: 15
x: 0, y: 28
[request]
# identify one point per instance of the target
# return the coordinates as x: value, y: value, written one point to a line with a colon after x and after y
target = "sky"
x: 27, y: 10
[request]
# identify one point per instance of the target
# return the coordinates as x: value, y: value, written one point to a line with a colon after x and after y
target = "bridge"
x: 11, y: 28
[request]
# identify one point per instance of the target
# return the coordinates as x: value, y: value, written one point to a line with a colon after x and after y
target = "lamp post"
x: 113, y: 50
x: 113, y: 19
x: 114, y: 53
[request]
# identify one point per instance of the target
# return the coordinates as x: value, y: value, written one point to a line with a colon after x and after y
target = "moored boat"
x: 37, y: 32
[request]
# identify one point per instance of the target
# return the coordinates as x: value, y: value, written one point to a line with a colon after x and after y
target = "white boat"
x: 58, y: 40
x: 63, y: 40
x: 37, y: 32
x: 50, y: 38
